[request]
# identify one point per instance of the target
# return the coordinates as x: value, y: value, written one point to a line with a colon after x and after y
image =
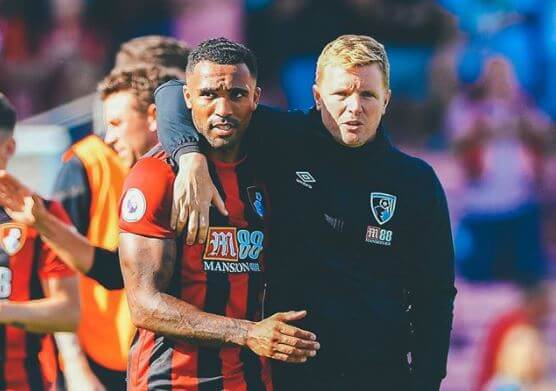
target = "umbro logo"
x: 305, y: 178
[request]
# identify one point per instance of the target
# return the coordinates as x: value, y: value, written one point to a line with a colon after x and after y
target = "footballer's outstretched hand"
x: 21, y: 204
x: 273, y: 337
x: 194, y: 192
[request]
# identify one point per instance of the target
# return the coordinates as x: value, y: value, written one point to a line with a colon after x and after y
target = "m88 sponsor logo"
x: 378, y: 235
x: 232, y: 250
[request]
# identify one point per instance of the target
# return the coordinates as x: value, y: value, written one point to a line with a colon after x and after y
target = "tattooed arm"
x: 147, y: 266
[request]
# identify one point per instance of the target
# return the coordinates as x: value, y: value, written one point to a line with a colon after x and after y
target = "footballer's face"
x: 352, y: 102
x: 129, y: 132
x: 222, y: 99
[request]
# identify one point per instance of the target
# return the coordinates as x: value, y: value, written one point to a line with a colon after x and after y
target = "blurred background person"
x: 499, y: 138
x: 514, y: 344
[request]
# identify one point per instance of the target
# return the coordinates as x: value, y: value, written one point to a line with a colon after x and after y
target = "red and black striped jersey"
x: 27, y: 360
x: 223, y: 276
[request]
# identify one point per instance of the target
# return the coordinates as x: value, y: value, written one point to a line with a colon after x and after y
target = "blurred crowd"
x: 474, y: 80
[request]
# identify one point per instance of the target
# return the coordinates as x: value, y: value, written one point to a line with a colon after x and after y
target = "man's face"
x: 7, y: 148
x: 129, y: 132
x: 222, y: 99
x: 352, y: 102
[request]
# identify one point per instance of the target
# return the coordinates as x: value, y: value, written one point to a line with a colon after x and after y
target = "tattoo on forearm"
x: 149, y: 269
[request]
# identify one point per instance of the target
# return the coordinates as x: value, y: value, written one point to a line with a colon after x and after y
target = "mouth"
x: 224, y: 129
x: 353, y: 123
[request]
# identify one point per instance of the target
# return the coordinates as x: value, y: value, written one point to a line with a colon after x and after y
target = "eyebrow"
x: 207, y: 90
x: 211, y: 90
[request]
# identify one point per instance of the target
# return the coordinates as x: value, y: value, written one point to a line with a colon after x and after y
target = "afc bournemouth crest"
x: 383, y: 206
x: 256, y: 199
x: 12, y: 237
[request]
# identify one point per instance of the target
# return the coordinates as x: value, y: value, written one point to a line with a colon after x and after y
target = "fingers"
x: 219, y: 202
x: 174, y: 214
x: 298, y: 343
x: 293, y: 351
x: 286, y: 358
x: 192, y: 227
x: 11, y: 194
x: 183, y: 214
x: 203, y: 223
x: 291, y: 316
x: 296, y: 332
x: 13, y: 184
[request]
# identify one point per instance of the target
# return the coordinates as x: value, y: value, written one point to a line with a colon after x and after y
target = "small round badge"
x: 134, y: 205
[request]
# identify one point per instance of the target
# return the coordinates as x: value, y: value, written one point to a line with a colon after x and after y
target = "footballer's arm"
x: 58, y: 311
x: 70, y: 246
x: 148, y: 265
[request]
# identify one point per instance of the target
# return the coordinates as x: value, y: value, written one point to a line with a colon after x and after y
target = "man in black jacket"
x: 361, y: 230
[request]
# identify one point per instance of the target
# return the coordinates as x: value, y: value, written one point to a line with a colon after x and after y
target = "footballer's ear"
x: 387, y: 97
x: 316, y: 96
x: 9, y: 147
x: 151, y: 117
x: 187, y: 96
x: 256, y: 97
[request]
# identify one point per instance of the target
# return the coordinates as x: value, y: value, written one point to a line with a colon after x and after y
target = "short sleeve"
x: 146, y: 201
x: 50, y: 266
x: 72, y: 191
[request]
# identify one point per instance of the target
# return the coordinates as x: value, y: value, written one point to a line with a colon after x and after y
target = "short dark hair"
x: 222, y: 51
x: 7, y: 115
x: 153, y: 50
x: 141, y: 81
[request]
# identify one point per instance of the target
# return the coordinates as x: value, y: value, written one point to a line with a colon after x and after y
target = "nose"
x: 353, y: 104
x: 111, y: 135
x: 223, y: 107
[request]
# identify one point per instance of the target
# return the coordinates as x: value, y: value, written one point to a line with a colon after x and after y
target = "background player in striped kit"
x: 92, y: 207
x: 196, y: 307
x: 38, y: 293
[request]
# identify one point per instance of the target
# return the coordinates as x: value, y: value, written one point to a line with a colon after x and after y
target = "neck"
x: 226, y: 155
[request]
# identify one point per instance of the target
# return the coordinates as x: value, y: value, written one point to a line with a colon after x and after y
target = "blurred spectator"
x: 499, y: 138
x: 287, y: 36
x: 62, y: 63
x: 195, y: 21
x: 505, y: 27
x: 514, y: 353
x: 22, y: 24
x: 410, y: 30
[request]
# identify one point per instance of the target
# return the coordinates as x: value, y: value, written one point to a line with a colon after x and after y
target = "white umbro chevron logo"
x: 305, y: 178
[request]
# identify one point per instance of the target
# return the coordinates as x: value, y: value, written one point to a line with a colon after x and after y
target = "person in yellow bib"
x: 89, y: 187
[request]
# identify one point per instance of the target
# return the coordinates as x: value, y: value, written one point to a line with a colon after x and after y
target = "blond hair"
x: 351, y: 51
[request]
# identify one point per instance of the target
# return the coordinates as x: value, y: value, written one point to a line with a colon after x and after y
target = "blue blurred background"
x: 474, y: 94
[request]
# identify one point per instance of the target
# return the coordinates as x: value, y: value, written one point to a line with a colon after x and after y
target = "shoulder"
x: 72, y: 179
x: 411, y: 165
x: 169, y: 86
x: 146, y: 202
x: 416, y: 174
x: 151, y: 176
x: 151, y: 170
x: 88, y: 143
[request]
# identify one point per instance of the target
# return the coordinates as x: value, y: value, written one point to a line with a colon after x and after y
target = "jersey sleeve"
x: 72, y: 191
x: 146, y: 202
x: 50, y: 266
